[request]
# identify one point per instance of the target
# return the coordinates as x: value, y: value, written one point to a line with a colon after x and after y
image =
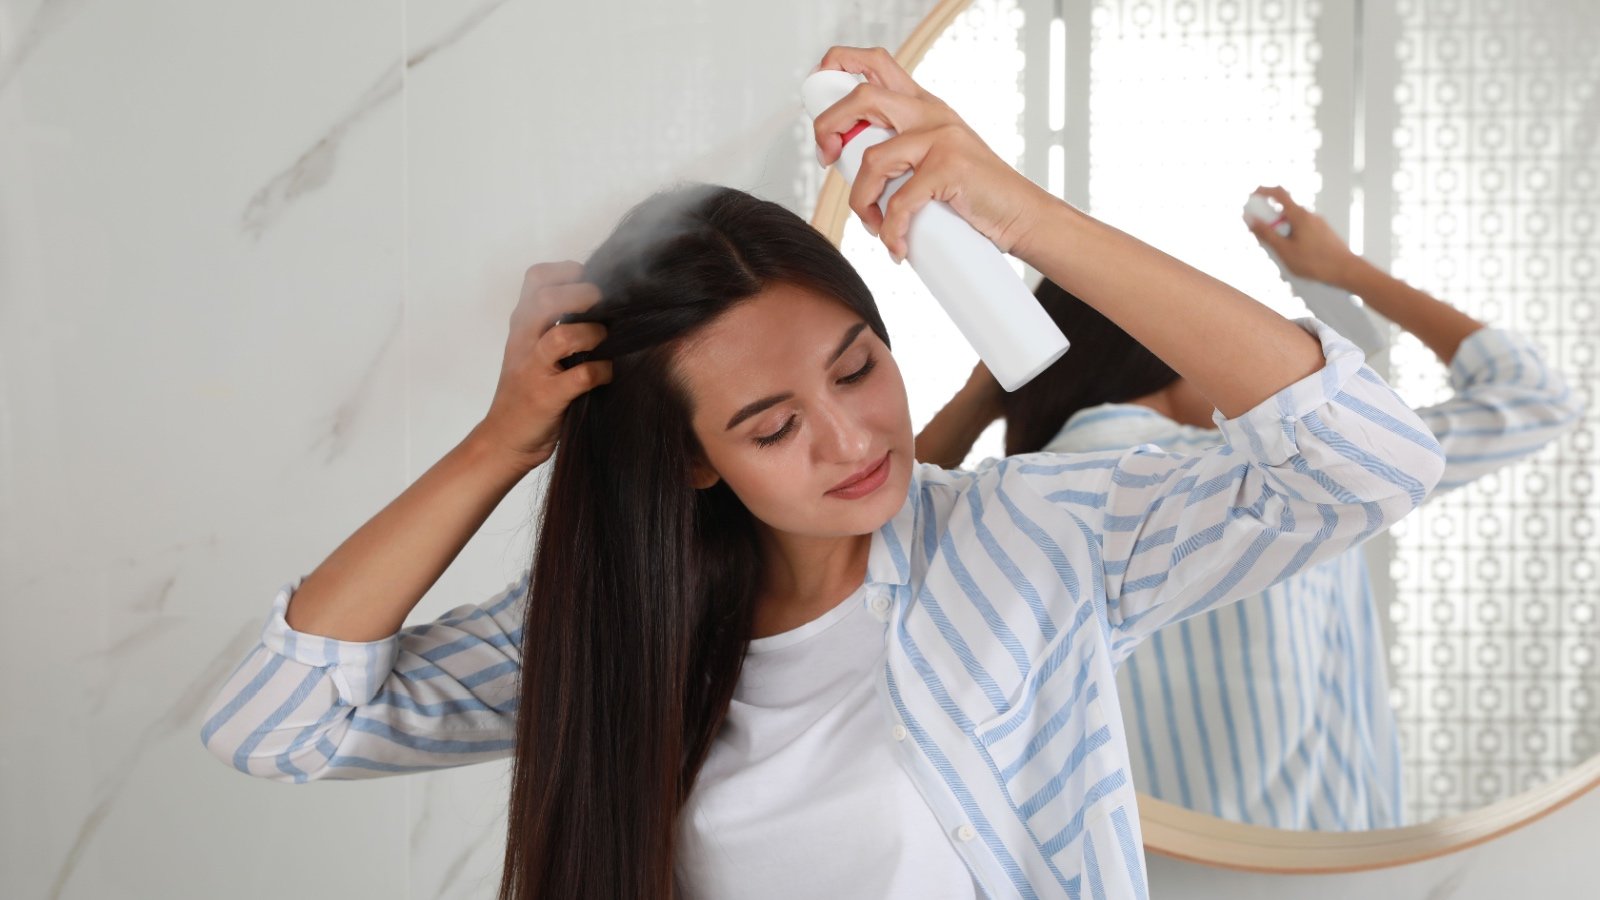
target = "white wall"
x: 255, y: 262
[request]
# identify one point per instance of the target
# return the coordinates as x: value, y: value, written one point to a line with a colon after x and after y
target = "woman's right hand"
x: 524, y: 418
x: 949, y: 162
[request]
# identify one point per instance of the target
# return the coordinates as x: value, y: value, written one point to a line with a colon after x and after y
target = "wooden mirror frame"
x: 1173, y: 830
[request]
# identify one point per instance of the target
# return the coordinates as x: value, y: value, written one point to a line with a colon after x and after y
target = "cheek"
x: 889, y: 401
x: 764, y: 476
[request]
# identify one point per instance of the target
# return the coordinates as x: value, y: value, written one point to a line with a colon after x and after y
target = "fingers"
x: 918, y: 191
x: 1291, y: 210
x: 584, y: 377
x: 548, y: 275
x: 881, y: 164
x: 876, y: 105
x: 1277, y: 193
x: 564, y: 350
x: 540, y: 308
x: 564, y: 341
x: 935, y: 176
x: 885, y: 162
x: 1267, y: 234
x: 876, y: 63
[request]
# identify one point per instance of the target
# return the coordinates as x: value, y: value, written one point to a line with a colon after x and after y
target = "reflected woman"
x: 1274, y: 711
x: 761, y: 651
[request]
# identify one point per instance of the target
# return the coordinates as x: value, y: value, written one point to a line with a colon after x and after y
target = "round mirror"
x: 1457, y: 695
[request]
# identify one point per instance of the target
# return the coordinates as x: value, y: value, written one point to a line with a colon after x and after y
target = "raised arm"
x: 1314, y: 251
x: 1234, y: 350
x: 366, y: 588
x: 336, y: 688
x: 1508, y: 402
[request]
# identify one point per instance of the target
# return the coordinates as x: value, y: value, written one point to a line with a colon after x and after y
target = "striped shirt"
x: 1275, y: 711
x: 1015, y: 590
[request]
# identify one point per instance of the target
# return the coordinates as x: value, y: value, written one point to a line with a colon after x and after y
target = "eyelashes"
x: 788, y: 426
x: 778, y: 435
x: 860, y: 373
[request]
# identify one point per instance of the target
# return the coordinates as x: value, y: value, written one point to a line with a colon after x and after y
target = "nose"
x: 841, y: 437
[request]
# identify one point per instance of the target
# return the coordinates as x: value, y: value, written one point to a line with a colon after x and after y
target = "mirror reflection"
x: 1438, y: 213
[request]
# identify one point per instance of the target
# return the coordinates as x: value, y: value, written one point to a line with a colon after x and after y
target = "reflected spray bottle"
x: 964, y: 270
x: 1332, y: 306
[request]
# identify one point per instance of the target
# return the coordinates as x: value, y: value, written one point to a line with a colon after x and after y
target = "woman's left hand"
x: 951, y: 162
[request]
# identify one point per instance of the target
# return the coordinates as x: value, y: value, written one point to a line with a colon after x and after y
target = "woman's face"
x: 794, y: 396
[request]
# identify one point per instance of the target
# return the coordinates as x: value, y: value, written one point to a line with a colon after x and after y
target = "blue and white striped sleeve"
x: 1311, y: 471
x: 1508, y: 405
x: 303, y: 707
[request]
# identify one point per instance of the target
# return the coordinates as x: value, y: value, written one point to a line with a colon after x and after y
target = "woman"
x: 926, y: 707
x: 1274, y: 711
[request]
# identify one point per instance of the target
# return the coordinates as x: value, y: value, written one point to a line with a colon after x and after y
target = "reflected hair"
x: 1105, y: 365
x: 642, y: 589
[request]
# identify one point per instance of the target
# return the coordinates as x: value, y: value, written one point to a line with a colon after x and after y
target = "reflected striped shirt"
x: 1275, y: 711
x: 1016, y: 591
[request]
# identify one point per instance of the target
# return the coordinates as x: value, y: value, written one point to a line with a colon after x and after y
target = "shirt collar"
x: 889, y: 561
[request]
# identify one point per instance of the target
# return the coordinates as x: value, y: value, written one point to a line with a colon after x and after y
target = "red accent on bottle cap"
x: 855, y: 130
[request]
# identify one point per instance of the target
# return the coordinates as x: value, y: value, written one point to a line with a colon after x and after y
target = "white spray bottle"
x: 1333, y: 307
x: 964, y: 270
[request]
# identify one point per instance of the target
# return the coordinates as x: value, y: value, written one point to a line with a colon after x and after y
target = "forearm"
x: 1440, y: 326
x: 367, y: 587
x: 1236, y: 351
x: 948, y: 437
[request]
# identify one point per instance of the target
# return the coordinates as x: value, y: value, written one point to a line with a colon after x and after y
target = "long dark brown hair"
x: 1105, y: 365
x: 643, y: 588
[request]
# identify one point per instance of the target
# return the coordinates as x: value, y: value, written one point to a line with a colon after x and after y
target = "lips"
x: 862, y: 475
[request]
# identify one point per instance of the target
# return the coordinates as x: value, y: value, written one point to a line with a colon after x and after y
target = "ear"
x: 702, y: 476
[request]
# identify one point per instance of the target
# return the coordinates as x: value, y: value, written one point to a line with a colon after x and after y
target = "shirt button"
x: 899, y: 732
x: 965, y: 833
x: 879, y: 605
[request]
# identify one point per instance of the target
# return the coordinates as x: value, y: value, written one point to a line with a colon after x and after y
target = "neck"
x: 1181, y: 402
x: 804, y: 577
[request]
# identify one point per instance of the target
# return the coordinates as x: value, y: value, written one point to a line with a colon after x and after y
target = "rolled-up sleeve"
x: 1309, y: 472
x: 1507, y: 405
x: 303, y: 707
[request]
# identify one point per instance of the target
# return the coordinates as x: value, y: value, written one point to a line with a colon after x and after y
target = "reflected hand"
x: 1312, y: 249
x: 534, y: 390
x: 951, y: 162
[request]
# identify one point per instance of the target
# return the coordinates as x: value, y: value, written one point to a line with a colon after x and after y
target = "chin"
x: 888, y: 500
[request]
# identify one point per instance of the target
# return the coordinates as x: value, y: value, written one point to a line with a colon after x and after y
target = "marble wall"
x: 255, y: 264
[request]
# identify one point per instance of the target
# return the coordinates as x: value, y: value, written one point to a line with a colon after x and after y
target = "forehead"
x: 763, y: 345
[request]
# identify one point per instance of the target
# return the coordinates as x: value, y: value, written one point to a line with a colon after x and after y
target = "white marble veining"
x: 255, y: 263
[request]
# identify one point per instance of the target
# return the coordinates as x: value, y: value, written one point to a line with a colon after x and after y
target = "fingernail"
x: 819, y: 158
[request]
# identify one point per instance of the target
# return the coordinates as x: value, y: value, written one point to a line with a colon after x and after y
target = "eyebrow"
x: 750, y: 409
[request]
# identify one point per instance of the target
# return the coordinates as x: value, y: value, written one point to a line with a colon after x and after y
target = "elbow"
x: 257, y: 749
x: 1430, y: 470
x: 1425, y: 465
x: 233, y: 748
x: 286, y: 766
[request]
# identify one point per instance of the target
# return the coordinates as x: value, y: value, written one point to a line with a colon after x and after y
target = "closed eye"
x: 860, y: 373
x: 776, y: 436
x: 788, y: 426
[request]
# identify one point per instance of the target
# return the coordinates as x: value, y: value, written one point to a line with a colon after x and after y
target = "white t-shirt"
x: 802, y: 794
